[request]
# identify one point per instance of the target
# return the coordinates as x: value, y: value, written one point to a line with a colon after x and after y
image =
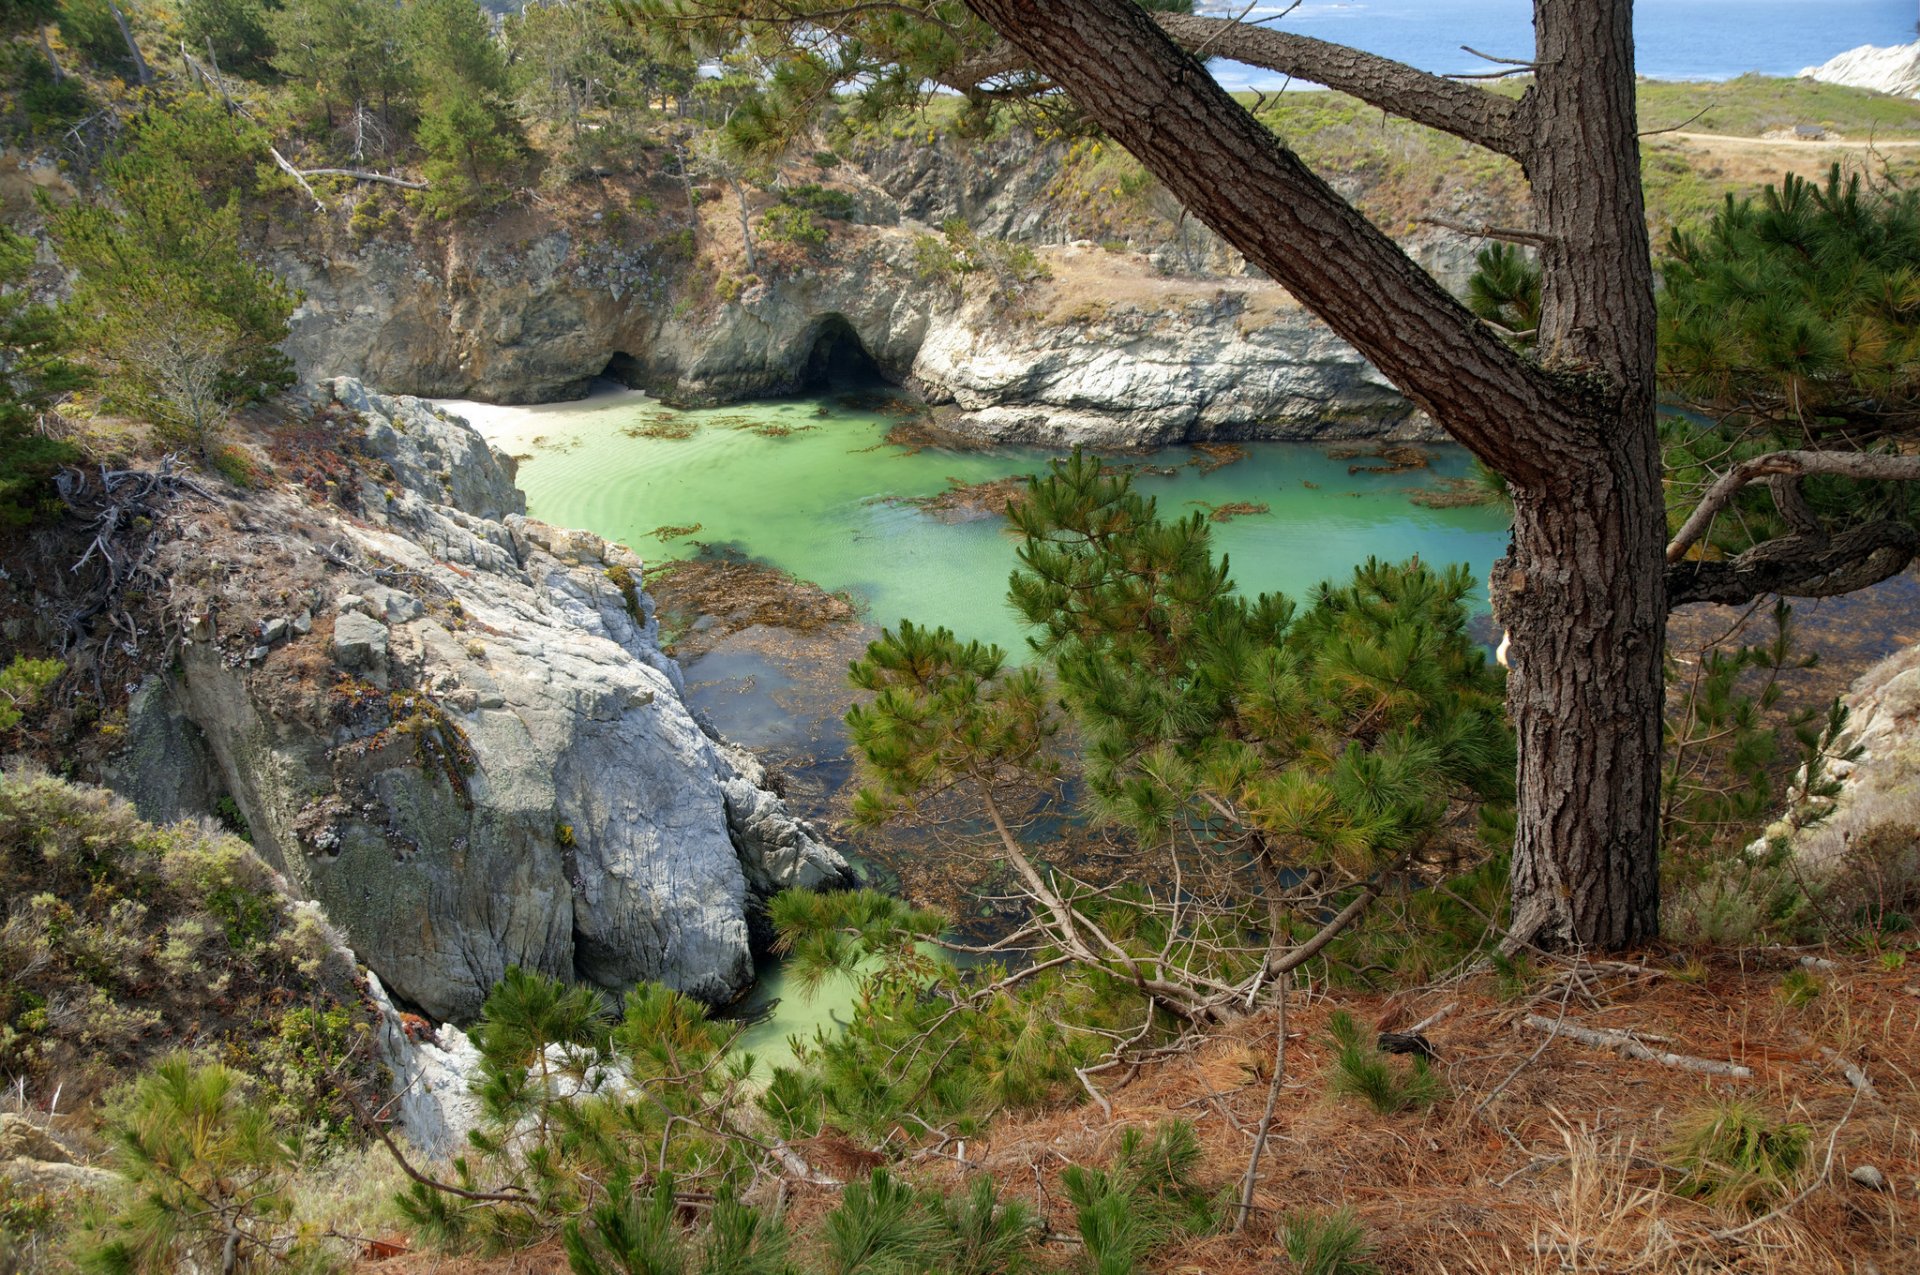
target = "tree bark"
x: 46, y: 47
x: 140, y: 70
x: 1583, y: 592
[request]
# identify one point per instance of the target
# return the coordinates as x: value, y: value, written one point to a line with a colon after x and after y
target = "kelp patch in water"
x: 1232, y: 509
x: 663, y: 425
x: 1399, y: 457
x: 701, y: 600
x: 963, y: 501
x: 1452, y: 493
x: 1212, y: 456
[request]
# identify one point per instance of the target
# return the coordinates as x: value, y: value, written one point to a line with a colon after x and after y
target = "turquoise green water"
x: 824, y: 502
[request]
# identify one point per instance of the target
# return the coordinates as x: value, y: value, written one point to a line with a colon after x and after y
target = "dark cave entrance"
x: 625, y: 369
x: 838, y: 361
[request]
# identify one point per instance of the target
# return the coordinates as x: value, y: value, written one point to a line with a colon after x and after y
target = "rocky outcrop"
x: 1894, y: 69
x: 453, y: 727
x: 1137, y: 359
x: 1875, y: 822
x: 1112, y: 354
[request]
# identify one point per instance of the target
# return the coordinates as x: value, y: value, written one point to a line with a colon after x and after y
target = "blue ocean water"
x: 1674, y: 39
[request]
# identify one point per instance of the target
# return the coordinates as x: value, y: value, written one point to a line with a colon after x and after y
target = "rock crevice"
x: 475, y: 755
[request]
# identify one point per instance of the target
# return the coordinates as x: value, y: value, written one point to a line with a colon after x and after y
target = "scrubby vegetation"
x: 124, y: 942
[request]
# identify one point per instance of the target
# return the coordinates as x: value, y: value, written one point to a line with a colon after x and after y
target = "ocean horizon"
x: 1673, y: 39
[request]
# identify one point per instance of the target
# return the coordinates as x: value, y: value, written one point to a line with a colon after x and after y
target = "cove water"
x: 810, y: 485
x: 1673, y: 39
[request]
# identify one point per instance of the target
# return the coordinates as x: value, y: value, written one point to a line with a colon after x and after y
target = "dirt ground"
x: 1545, y: 1155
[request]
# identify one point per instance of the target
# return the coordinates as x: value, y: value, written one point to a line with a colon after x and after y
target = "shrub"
x: 120, y: 935
x: 1327, y: 1243
x: 20, y: 685
x: 883, y: 1227
x: 1732, y: 1155
x: 207, y: 1177
x: 1361, y: 1071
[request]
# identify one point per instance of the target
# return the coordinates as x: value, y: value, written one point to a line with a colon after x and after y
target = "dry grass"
x: 1563, y: 1169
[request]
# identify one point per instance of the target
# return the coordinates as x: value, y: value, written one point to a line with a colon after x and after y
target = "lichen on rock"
x: 471, y: 680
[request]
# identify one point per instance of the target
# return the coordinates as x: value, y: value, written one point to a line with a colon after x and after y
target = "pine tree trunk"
x: 140, y: 70
x: 1582, y: 597
x: 46, y: 47
x: 1583, y: 594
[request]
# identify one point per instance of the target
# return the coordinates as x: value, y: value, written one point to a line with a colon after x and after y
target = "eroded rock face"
x: 475, y: 755
x: 1891, y: 69
x: 1876, y: 817
x: 1142, y: 360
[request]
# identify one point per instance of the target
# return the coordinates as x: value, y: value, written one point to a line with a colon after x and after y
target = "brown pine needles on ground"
x: 1563, y: 1170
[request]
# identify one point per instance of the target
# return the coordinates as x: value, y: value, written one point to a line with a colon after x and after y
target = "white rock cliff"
x: 453, y: 727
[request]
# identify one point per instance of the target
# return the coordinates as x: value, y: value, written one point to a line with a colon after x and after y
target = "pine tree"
x: 236, y: 31
x: 180, y: 324
x: 469, y: 149
x: 34, y: 375
x: 1281, y: 758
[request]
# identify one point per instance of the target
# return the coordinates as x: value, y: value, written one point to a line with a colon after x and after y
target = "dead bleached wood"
x: 1855, y: 1076
x: 362, y: 175
x: 1622, y: 1043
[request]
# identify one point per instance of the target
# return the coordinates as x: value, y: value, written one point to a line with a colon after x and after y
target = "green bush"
x: 1361, y: 1071
x: 206, y: 1182
x: 142, y: 935
x: 1733, y: 1155
x: 1330, y: 1243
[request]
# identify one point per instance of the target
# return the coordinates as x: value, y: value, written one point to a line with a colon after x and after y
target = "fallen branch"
x: 1273, y: 1099
x: 1621, y: 1043
x: 1860, y: 465
x: 362, y: 175
x: 1855, y: 1076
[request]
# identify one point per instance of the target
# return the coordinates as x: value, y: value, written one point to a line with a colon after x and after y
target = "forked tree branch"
x: 1157, y: 101
x: 1794, y: 464
x: 1471, y: 114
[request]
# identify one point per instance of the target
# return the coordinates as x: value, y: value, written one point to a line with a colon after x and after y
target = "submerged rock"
x: 478, y: 757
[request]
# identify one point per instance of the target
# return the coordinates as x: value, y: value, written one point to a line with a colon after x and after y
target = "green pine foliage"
x: 1388, y: 1085
x: 574, y: 1100
x: 1505, y: 290
x: 927, y: 1039
x: 1801, y: 307
x: 1145, y: 1199
x: 469, y: 150
x: 180, y: 324
x: 1338, y: 736
x: 1327, y: 1243
x: 21, y: 683
x: 207, y: 1176
x: 1734, y: 1155
x: 235, y: 29
x: 883, y: 1226
x: 343, y: 55
x: 34, y: 375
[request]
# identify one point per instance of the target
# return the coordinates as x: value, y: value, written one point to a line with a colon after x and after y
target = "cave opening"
x: 625, y: 369
x: 838, y: 361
